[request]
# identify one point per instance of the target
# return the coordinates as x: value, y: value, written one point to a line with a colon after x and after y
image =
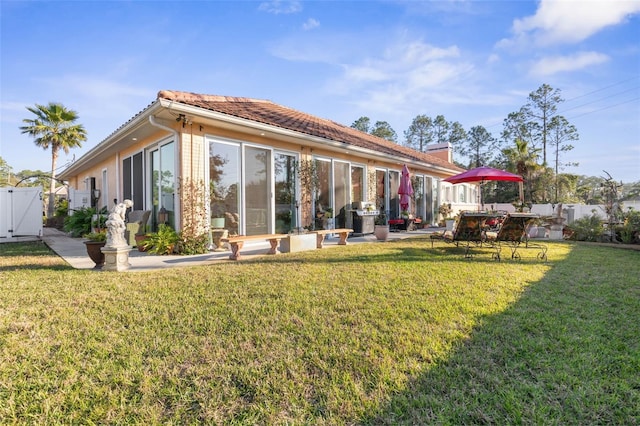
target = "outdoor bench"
x: 236, y: 242
x: 342, y: 232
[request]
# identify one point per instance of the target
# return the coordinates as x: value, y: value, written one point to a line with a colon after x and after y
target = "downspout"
x: 153, y: 122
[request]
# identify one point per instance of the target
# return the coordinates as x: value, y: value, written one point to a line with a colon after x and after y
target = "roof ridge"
x: 179, y: 96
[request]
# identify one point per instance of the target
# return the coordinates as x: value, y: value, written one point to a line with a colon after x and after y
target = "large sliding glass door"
x: 224, y: 183
x: 252, y: 188
x: 163, y: 183
x: 285, y: 192
x: 257, y: 190
x: 341, y: 192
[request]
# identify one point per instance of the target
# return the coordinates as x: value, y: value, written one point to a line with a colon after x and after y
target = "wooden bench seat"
x: 237, y: 241
x: 342, y: 232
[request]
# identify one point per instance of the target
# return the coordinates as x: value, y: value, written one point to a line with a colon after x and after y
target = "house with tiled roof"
x: 262, y: 167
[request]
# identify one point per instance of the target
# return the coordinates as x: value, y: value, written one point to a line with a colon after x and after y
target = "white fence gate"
x: 78, y: 199
x: 20, y: 212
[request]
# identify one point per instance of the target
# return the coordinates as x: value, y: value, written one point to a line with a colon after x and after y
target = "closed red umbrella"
x: 406, y: 189
x: 481, y: 174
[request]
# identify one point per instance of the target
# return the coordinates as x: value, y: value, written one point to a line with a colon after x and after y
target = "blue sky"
x: 471, y: 61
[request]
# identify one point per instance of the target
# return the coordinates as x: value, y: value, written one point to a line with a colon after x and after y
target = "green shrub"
x: 100, y: 236
x: 193, y: 245
x: 62, y: 208
x: 79, y: 223
x: 629, y: 233
x: 587, y: 228
x: 162, y: 242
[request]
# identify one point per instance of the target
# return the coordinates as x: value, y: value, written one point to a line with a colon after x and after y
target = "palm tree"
x: 523, y: 159
x: 54, y: 127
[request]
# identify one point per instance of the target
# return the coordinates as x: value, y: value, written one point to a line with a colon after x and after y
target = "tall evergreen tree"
x: 419, y: 133
x: 480, y: 147
x: 363, y: 124
x: 383, y: 130
x: 541, y: 109
x: 560, y: 134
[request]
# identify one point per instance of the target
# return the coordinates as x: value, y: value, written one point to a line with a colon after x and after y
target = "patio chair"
x: 136, y: 224
x: 468, y: 229
x: 513, y: 234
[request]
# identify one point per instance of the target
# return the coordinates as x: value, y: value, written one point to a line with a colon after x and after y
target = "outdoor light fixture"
x: 163, y: 215
x: 96, y: 194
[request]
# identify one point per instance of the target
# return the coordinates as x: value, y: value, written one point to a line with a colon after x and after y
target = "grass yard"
x: 379, y: 333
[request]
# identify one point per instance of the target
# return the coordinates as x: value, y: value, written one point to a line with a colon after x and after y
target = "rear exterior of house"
x: 257, y: 166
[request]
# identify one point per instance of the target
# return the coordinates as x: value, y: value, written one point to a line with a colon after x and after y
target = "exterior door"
x: 257, y: 190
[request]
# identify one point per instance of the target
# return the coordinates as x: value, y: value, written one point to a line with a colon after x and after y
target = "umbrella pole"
x: 521, y: 193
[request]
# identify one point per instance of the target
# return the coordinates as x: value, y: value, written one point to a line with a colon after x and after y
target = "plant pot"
x: 381, y: 232
x: 95, y: 253
x: 217, y: 222
x: 139, y: 241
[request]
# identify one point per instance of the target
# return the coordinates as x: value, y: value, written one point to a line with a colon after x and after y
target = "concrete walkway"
x: 74, y: 252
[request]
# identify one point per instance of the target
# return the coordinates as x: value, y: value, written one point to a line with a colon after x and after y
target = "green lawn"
x: 380, y: 333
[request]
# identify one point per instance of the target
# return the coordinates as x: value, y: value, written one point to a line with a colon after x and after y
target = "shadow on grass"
x: 408, y: 250
x: 32, y: 248
x: 567, y: 352
x: 24, y: 255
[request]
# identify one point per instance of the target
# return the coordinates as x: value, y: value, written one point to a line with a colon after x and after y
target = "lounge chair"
x: 513, y: 233
x: 468, y: 229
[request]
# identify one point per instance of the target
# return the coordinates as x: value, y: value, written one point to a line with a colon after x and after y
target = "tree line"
x: 533, y: 143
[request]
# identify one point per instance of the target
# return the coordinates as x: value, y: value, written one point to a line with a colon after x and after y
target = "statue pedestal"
x: 116, y: 258
x: 556, y: 232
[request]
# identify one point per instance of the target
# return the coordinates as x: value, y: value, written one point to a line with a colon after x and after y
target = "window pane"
x: 357, y: 184
x: 257, y: 190
x: 341, y: 193
x: 284, y: 174
x: 323, y: 192
x: 394, y: 198
x: 224, y: 180
x: 168, y: 182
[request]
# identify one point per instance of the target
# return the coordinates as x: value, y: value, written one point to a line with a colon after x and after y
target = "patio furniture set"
x: 492, y: 230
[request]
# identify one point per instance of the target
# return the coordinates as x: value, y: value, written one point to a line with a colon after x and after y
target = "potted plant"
x: 445, y: 211
x: 95, y: 242
x: 140, y: 241
x: 381, y: 226
x: 217, y: 222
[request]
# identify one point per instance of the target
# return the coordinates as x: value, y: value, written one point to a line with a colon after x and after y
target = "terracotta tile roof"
x: 270, y: 113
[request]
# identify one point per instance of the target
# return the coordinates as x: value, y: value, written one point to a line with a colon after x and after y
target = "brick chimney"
x: 441, y: 150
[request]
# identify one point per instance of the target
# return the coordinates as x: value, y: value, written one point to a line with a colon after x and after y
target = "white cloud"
x: 493, y: 58
x: 278, y: 7
x: 571, y: 21
x: 555, y: 64
x: 310, y: 24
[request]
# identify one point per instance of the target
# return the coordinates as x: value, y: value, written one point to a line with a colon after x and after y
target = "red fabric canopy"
x: 480, y: 174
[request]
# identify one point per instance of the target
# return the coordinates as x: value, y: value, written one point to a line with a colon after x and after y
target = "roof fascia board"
x: 322, y: 142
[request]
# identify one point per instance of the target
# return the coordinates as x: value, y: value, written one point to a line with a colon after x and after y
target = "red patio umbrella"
x: 482, y: 174
x: 406, y: 189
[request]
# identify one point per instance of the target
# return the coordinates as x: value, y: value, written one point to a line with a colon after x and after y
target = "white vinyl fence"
x: 20, y: 212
